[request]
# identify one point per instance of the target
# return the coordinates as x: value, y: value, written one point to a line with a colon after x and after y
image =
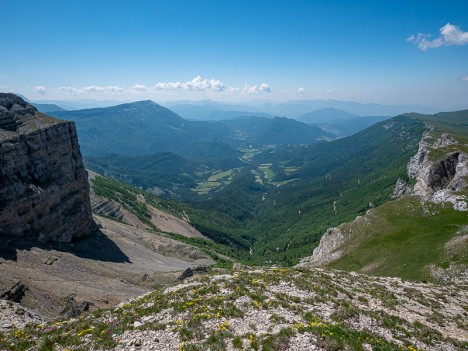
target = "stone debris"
x: 50, y: 260
x: 277, y: 309
x: 13, y: 315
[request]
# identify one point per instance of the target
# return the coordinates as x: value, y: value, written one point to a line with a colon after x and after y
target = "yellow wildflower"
x: 223, y: 326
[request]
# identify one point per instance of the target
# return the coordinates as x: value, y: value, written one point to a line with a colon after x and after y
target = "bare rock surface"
x: 15, y: 316
x: 439, y: 179
x: 44, y: 193
x: 327, y: 250
x: 275, y: 309
x: 171, y: 224
x: 118, y: 263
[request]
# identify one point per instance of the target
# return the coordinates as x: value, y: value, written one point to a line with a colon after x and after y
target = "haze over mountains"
x: 234, y: 175
x: 216, y: 110
x: 337, y: 118
x: 291, y: 109
x: 388, y: 200
x: 282, y: 170
x: 153, y: 128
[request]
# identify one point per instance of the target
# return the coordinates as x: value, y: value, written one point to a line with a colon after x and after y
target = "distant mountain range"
x: 295, y: 109
x: 215, y: 110
x: 325, y: 115
x: 80, y: 103
x: 144, y: 128
x: 148, y: 145
x: 339, y: 122
x: 208, y: 110
x: 338, y: 118
x: 48, y: 108
x: 44, y: 108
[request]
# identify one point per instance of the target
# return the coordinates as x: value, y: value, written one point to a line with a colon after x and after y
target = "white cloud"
x: 91, y: 89
x: 256, y: 89
x: 464, y: 78
x: 196, y: 83
x: 329, y: 90
x: 232, y: 89
x: 449, y: 35
x: 301, y: 91
x: 138, y: 88
x: 41, y: 90
x: 71, y: 90
x: 99, y: 89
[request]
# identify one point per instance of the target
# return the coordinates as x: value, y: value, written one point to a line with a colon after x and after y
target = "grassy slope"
x: 455, y: 123
x: 404, y: 237
x: 401, y: 238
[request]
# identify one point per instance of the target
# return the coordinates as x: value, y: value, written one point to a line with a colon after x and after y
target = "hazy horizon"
x: 390, y: 53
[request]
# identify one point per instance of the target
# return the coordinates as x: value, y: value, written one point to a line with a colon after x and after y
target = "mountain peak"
x: 145, y: 102
x: 141, y: 103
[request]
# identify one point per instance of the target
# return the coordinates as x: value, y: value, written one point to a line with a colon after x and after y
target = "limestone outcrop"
x: 328, y: 249
x: 439, y: 179
x: 44, y: 192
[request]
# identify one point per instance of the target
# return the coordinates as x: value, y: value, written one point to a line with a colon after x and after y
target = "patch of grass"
x: 401, y: 238
x: 123, y: 194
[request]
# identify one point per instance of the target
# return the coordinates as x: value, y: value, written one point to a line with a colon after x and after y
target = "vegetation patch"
x: 273, y: 309
x: 402, y: 238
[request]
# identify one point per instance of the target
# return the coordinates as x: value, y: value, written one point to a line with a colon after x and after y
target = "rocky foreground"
x: 267, y: 309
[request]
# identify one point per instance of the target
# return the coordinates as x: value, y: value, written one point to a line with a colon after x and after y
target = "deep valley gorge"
x: 248, y: 233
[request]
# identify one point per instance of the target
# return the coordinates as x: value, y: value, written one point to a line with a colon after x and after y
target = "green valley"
x: 263, y: 199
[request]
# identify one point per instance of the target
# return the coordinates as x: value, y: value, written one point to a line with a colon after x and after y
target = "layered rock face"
x: 439, y: 180
x: 44, y: 192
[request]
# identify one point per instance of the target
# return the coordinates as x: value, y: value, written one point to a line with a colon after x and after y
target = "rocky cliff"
x: 439, y: 174
x: 44, y: 192
x: 440, y: 179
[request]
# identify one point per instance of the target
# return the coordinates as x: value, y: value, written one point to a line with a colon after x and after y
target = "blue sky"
x: 366, y: 51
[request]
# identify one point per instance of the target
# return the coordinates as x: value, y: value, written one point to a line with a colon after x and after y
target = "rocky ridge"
x: 269, y: 309
x: 43, y: 184
x: 437, y: 180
